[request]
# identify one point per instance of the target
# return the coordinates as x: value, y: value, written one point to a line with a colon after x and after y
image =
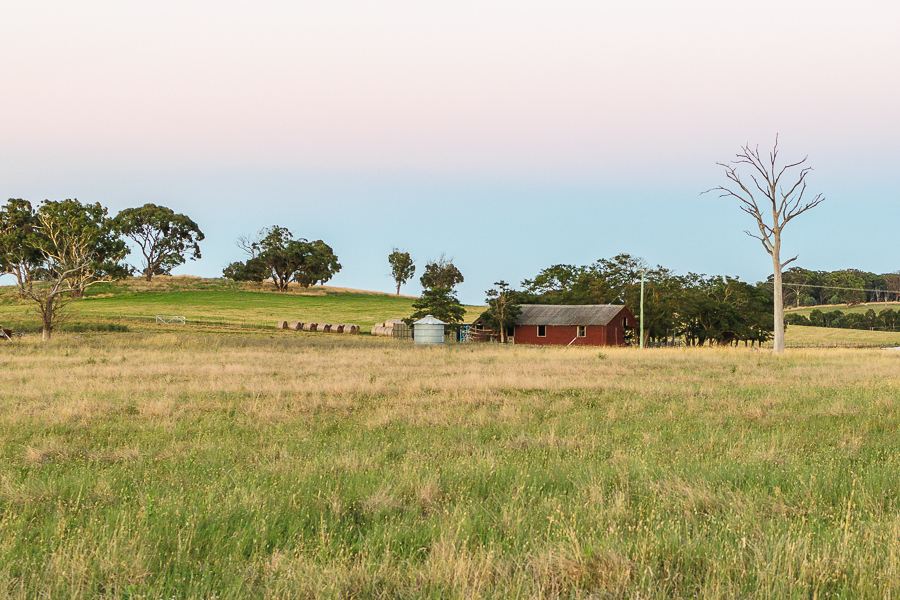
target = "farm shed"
x: 571, y: 325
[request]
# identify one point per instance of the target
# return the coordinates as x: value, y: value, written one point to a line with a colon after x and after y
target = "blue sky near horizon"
x: 509, y: 135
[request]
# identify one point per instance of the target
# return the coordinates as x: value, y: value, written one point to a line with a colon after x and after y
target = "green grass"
x: 858, y: 308
x: 283, y: 466
x: 214, y: 302
x: 806, y: 336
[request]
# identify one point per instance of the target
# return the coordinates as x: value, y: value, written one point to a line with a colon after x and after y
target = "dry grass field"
x: 285, y: 466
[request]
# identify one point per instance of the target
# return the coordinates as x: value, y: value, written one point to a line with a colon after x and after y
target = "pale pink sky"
x: 564, y: 93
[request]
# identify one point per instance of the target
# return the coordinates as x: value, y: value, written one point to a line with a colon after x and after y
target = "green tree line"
x: 803, y: 287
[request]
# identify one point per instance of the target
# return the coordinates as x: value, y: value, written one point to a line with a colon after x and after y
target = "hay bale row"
x: 387, y: 328
x: 320, y: 327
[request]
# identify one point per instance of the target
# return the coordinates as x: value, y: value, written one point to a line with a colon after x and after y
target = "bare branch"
x: 789, y: 261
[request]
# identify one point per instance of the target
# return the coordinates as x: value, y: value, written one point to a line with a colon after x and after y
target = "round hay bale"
x: 309, y: 326
x: 281, y: 325
x: 295, y: 326
x: 350, y: 329
x: 323, y: 327
x: 337, y: 329
x: 392, y: 322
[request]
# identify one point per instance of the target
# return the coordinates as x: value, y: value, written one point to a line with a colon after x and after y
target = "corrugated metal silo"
x: 429, y: 331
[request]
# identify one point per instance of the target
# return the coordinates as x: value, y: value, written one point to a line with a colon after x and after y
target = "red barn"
x: 573, y: 325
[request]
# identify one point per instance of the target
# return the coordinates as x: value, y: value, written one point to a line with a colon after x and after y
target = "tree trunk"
x: 149, y: 274
x: 46, y: 320
x: 398, y: 288
x: 779, y: 301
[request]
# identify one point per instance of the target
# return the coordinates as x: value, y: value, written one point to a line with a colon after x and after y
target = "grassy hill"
x: 218, y: 303
x: 859, y: 308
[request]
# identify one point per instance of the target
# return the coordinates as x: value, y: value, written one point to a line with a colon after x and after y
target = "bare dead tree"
x: 786, y: 201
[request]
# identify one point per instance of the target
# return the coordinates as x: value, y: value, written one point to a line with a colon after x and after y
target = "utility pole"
x: 642, y: 307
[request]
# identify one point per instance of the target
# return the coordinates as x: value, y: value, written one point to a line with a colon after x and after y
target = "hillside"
x: 213, y: 302
x: 858, y: 308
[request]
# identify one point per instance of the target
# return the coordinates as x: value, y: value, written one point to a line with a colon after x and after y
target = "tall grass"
x: 192, y: 466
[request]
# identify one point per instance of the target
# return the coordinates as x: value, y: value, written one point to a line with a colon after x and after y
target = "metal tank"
x: 429, y: 331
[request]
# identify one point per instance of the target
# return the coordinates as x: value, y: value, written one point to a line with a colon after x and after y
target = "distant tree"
x: 817, y: 318
x: 554, y: 281
x: 796, y: 319
x: 249, y: 270
x: 848, y: 286
x: 503, y: 309
x: 441, y: 273
x: 892, y: 283
x: 833, y: 318
x: 320, y: 266
x: 165, y: 238
x: 784, y: 201
x: 276, y: 255
x: 56, y: 251
x: 889, y: 317
x: 440, y: 302
x: 402, y: 267
x: 724, y: 310
x: 796, y: 282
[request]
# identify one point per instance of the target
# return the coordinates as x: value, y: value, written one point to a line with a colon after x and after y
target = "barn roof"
x: 568, y: 314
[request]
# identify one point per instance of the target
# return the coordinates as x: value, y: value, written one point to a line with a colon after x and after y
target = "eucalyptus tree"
x: 403, y: 267
x: 165, y: 238
x: 503, y: 308
x: 275, y: 254
x: 57, y: 251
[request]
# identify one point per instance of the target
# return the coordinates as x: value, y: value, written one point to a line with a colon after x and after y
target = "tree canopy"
x: 402, y: 267
x: 503, y: 308
x: 441, y: 273
x: 166, y: 239
x: 276, y: 255
x: 58, y: 250
x: 440, y: 302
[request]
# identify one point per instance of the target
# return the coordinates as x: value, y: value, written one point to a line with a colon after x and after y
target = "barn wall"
x: 597, y: 335
x: 561, y: 335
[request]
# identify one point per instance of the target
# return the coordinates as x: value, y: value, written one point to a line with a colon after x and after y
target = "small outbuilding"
x: 573, y: 325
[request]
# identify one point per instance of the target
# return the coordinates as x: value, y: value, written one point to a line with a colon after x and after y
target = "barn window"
x: 542, y: 331
x: 582, y: 330
x: 624, y: 322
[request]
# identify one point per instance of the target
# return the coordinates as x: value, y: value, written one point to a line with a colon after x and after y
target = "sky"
x: 509, y: 135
